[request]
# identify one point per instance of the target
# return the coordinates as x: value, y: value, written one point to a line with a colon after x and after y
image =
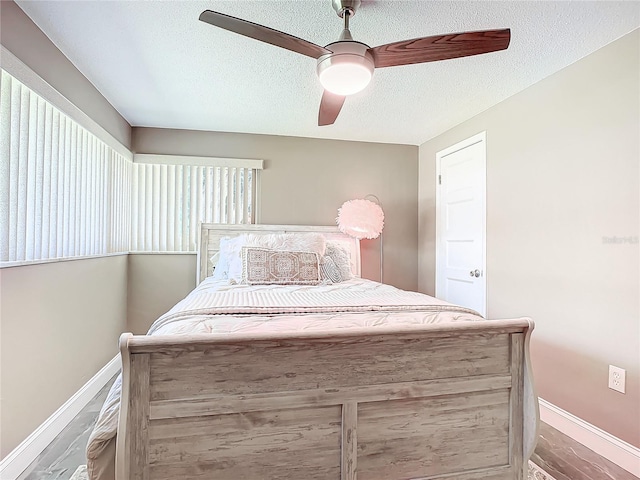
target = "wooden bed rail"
x: 430, y: 402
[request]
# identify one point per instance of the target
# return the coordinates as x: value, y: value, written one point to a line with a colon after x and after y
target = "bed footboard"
x: 442, y: 401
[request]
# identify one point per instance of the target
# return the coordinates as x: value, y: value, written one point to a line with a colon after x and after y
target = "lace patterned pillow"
x: 262, y: 266
x: 291, y: 242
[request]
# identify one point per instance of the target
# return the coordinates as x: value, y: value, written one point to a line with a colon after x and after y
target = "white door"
x: 460, y: 224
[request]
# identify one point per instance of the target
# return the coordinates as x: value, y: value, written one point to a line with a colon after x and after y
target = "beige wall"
x: 60, y: 322
x: 155, y: 284
x: 305, y: 181
x: 26, y: 41
x: 562, y: 173
x: 59, y: 325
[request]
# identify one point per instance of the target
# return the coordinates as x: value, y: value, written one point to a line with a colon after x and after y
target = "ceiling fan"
x: 345, y: 67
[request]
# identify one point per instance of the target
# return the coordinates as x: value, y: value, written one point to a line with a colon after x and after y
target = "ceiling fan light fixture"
x: 345, y: 76
x: 347, y: 70
x: 345, y: 67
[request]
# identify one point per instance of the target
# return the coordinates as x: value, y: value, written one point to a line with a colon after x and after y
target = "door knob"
x: 474, y: 273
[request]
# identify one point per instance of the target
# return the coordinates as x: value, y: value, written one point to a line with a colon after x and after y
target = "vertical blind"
x: 60, y: 186
x: 170, y: 201
x: 66, y: 193
x: 120, y: 203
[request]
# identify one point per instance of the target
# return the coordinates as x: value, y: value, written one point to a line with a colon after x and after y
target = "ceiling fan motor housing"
x: 341, y: 6
x: 348, y: 69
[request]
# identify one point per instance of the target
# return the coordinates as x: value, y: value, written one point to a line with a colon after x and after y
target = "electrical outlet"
x: 617, y: 377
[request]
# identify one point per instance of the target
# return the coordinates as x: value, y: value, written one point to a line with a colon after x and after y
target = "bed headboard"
x: 211, y: 233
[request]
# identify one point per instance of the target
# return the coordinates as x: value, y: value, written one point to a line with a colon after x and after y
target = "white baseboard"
x: 612, y: 448
x: 24, y: 454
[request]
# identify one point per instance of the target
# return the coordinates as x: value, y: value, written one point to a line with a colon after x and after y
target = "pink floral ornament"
x: 360, y: 219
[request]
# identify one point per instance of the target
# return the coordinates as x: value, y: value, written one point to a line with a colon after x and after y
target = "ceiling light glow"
x: 345, y: 74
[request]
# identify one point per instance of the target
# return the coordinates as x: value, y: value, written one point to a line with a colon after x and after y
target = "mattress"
x: 217, y: 307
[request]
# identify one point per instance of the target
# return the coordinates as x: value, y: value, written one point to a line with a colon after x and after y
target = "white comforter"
x: 216, y: 307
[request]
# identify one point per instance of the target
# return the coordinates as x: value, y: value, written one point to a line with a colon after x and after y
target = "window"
x: 61, y: 187
x: 171, y: 199
x: 67, y: 193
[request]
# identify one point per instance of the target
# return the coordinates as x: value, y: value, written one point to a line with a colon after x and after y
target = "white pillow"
x: 215, y: 260
x: 229, y: 246
x: 288, y: 242
x: 294, y: 242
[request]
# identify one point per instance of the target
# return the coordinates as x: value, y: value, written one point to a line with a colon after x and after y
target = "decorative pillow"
x: 290, y: 242
x: 262, y: 266
x: 340, y: 257
x: 329, y: 271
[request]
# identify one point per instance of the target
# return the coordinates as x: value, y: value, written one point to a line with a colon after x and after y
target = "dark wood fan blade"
x: 440, y: 47
x: 330, y: 107
x: 262, y: 33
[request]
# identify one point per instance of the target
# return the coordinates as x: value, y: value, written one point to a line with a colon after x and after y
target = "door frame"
x: 478, y: 138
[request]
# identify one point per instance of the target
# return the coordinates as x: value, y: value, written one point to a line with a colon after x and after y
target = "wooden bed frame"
x: 443, y: 401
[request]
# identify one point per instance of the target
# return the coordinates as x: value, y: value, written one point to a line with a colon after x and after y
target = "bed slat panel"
x: 280, y: 466
x: 497, y: 473
x: 280, y: 444
x: 300, y: 364
x: 225, y: 404
x: 420, y: 437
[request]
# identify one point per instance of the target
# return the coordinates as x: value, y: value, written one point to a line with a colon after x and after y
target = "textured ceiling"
x: 161, y: 67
